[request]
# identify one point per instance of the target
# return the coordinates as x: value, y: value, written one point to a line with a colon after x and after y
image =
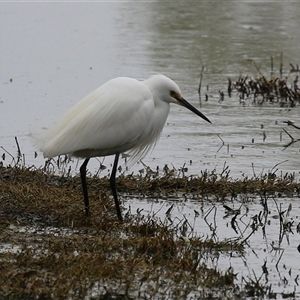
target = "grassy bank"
x: 50, y: 250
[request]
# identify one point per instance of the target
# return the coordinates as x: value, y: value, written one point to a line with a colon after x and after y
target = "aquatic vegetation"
x: 268, y: 89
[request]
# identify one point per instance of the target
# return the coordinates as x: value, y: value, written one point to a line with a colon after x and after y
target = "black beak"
x: 189, y: 106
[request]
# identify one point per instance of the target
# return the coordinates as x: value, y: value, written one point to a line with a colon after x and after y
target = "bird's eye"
x: 173, y: 94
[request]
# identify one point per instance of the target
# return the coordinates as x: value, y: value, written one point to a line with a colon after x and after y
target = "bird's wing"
x: 113, y: 118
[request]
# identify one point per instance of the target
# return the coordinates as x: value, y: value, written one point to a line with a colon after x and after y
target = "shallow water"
x: 53, y: 54
x: 269, y: 253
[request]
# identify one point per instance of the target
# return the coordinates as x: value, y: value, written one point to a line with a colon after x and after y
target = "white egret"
x: 122, y: 115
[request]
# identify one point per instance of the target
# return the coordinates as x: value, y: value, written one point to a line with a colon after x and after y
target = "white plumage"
x: 122, y: 115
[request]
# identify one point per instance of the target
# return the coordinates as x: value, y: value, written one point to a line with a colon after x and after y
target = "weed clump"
x: 263, y: 89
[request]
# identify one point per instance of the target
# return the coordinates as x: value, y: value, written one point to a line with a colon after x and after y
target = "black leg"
x: 113, y: 186
x: 84, y: 186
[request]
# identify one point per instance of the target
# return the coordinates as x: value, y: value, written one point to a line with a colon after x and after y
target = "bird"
x: 124, y: 115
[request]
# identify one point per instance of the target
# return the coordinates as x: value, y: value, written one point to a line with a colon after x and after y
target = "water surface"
x: 53, y: 54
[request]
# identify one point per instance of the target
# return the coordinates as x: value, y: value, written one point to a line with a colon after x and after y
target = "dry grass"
x: 50, y: 250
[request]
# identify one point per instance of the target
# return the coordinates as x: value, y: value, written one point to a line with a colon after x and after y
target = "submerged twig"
x: 200, y: 83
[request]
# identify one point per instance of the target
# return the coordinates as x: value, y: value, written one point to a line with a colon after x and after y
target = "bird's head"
x: 167, y: 90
